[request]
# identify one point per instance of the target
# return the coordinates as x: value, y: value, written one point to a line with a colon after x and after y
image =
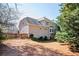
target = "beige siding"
x: 38, y: 30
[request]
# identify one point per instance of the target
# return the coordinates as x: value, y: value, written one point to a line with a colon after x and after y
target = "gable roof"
x: 31, y: 20
x: 46, y: 20
x: 28, y: 20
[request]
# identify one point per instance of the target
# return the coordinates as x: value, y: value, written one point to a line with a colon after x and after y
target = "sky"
x: 39, y: 10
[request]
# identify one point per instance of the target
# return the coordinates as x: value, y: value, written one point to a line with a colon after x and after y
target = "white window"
x: 51, y: 30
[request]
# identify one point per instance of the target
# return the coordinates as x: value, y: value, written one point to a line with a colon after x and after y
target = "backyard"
x: 22, y: 35
x: 27, y: 47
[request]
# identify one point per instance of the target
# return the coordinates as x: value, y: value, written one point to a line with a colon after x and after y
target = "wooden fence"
x: 16, y: 35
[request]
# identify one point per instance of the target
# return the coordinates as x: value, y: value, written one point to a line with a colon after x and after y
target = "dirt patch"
x: 27, y: 47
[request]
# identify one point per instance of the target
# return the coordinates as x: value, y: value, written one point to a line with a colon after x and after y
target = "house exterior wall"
x: 24, y: 30
x: 38, y: 31
x: 50, y: 25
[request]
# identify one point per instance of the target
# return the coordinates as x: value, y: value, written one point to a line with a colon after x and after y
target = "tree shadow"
x: 38, y: 50
x: 45, y: 41
x: 63, y: 44
x: 27, y: 50
x: 8, y: 51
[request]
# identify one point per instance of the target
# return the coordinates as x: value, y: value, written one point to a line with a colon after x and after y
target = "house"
x: 37, y: 27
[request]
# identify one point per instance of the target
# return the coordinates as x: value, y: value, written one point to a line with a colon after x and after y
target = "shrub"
x: 74, y: 44
x: 41, y: 38
x: 45, y: 38
x: 53, y: 35
x: 31, y: 35
x: 34, y: 39
x: 71, y: 39
x: 61, y: 37
x: 2, y: 36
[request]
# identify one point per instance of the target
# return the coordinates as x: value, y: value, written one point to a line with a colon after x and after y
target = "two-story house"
x: 37, y: 27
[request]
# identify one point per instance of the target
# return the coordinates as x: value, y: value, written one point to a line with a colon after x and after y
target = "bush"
x: 41, y: 38
x: 34, y: 39
x: 45, y: 38
x: 74, y: 44
x: 72, y: 40
x: 61, y: 37
x: 31, y: 35
x: 2, y: 36
x: 52, y: 36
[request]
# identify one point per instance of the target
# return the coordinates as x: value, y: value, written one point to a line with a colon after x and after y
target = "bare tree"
x: 7, y: 14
